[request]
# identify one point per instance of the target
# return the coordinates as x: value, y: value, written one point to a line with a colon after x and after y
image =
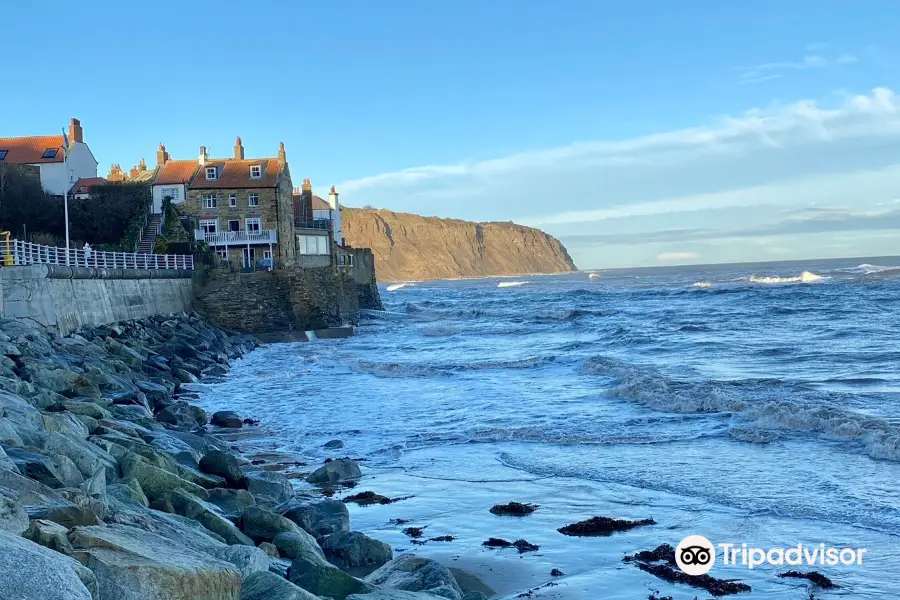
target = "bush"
x: 114, y: 214
x: 25, y: 209
x: 162, y: 245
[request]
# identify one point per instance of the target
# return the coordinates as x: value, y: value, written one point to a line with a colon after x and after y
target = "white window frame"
x: 253, y: 221
x: 349, y: 260
x: 210, y: 201
x: 171, y: 192
x: 232, y: 200
x: 267, y: 254
x: 230, y: 221
x: 253, y: 199
x: 222, y: 253
x: 313, y: 245
x: 206, y: 223
x: 212, y: 171
x: 256, y: 172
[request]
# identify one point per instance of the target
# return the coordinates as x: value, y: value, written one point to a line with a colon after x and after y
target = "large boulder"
x: 227, y: 418
x: 188, y: 505
x: 291, y: 544
x: 317, y: 576
x: 67, y: 515
x: 352, y: 550
x: 226, y: 466
x: 262, y: 525
x: 336, y: 471
x: 49, y: 535
x: 183, y: 415
x: 318, y: 518
x: 88, y: 457
x: 417, y: 574
x: 13, y: 517
x: 231, y: 502
x: 29, y: 571
x: 131, y: 564
x: 269, y: 486
x: 156, y: 482
x: 269, y: 586
x: 36, y: 466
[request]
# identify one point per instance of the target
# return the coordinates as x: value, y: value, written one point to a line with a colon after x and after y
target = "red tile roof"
x: 29, y: 150
x: 84, y: 185
x: 319, y: 204
x: 175, y: 171
x: 235, y: 173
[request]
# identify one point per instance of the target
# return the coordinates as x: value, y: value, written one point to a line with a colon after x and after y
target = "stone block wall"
x: 363, y: 273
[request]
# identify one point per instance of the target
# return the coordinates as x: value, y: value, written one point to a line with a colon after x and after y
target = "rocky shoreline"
x: 112, y: 486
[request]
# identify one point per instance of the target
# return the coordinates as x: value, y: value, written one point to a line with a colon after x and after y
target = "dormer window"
x: 50, y: 153
x: 211, y: 173
x: 256, y: 172
x: 3, y: 154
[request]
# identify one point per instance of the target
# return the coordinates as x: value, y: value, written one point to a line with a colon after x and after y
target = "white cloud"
x: 776, y: 70
x: 677, y: 256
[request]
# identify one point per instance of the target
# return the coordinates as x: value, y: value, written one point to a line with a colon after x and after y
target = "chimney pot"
x: 204, y: 157
x: 162, y: 157
x: 238, y: 149
x: 282, y: 156
x: 76, y: 133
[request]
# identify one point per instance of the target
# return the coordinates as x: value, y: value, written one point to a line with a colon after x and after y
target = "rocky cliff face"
x: 411, y: 247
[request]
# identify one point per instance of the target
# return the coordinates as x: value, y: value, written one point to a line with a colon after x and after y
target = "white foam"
x: 398, y: 286
x: 805, y: 277
x: 703, y: 285
x: 439, y: 330
x: 504, y: 284
x: 594, y: 276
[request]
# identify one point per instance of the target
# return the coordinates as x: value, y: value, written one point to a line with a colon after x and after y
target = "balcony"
x: 237, y: 238
x: 323, y: 224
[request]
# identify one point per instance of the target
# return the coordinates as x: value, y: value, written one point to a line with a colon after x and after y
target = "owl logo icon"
x: 695, y: 555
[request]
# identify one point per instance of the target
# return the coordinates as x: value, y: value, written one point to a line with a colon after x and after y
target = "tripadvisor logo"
x: 696, y: 555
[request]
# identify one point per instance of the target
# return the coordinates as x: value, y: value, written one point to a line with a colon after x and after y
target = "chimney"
x: 204, y: 157
x: 333, y: 199
x: 282, y: 157
x: 76, y: 133
x: 335, y: 217
x: 142, y: 166
x: 162, y: 157
x: 307, y: 185
x: 133, y: 172
x: 238, y: 149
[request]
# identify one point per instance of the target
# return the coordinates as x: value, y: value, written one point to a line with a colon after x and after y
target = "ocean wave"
x: 439, y: 330
x: 398, y: 369
x: 703, y: 285
x: 394, y: 369
x: 594, y: 276
x: 505, y: 284
x: 867, y: 269
x: 572, y: 314
x: 399, y: 286
x: 805, y: 277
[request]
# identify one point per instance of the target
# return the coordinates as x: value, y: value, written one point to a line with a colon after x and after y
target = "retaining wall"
x: 69, y: 298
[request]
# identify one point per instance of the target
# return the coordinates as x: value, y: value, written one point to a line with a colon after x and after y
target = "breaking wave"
x: 705, y: 285
x: 505, y: 284
x: 805, y: 277
x: 399, y: 286
x: 439, y: 330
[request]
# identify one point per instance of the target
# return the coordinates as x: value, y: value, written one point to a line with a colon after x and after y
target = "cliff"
x: 410, y: 247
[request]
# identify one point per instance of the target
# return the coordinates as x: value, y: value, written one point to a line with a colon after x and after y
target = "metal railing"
x: 17, y: 252
x: 226, y: 238
x: 312, y: 223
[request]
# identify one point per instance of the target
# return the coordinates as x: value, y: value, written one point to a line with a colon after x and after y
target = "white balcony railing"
x: 17, y: 252
x: 237, y: 238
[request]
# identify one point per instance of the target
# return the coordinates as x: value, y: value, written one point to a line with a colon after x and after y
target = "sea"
x: 752, y: 404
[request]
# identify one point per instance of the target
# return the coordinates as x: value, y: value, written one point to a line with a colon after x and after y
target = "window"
x: 255, y: 171
x: 342, y: 260
x: 349, y: 260
x: 234, y: 225
x: 209, y: 200
x: 209, y: 225
x: 50, y: 153
x: 223, y: 254
x: 253, y: 224
x: 3, y: 154
x: 313, y: 244
x: 173, y: 193
x: 210, y: 173
x: 267, y: 254
x: 232, y: 200
x: 253, y: 199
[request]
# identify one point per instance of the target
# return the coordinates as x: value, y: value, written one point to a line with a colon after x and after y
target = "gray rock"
x: 13, y: 517
x: 291, y: 544
x: 227, y: 418
x: 8, y: 434
x: 225, y: 465
x: 269, y: 586
x: 49, y: 535
x: 317, y: 576
x: 416, y: 574
x: 319, y: 518
x: 68, y: 472
x: 89, y: 409
x: 66, y: 424
x: 262, y: 525
x: 36, y: 466
x: 95, y: 486
x: 270, y: 549
x: 248, y: 559
x: 155, y: 482
x: 333, y: 444
x: 184, y: 415
x: 267, y: 485
x: 354, y: 550
x: 131, y: 412
x: 29, y: 571
x: 7, y: 463
x: 163, y: 505
x: 336, y: 471
x: 67, y: 515
x: 127, y: 493
x: 231, y: 502
x: 474, y: 595
x: 381, y: 594
x: 194, y: 508
x: 204, y: 480
x: 131, y: 564
x: 87, y: 456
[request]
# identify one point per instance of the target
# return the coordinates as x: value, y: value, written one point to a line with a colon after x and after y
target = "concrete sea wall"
x: 66, y: 299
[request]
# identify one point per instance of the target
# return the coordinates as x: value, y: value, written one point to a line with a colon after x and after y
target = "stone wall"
x: 67, y: 299
x: 279, y: 303
x: 363, y: 273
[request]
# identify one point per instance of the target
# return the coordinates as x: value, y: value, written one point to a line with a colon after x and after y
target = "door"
x: 249, y: 257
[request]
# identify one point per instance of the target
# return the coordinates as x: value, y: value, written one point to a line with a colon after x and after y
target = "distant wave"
x: 398, y: 286
x: 397, y: 369
x: 703, y: 285
x: 594, y: 276
x: 572, y: 314
x: 805, y: 277
x: 867, y: 269
x: 504, y: 284
x: 439, y: 330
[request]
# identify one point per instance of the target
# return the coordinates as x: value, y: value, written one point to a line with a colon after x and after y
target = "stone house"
x: 171, y: 179
x: 244, y: 208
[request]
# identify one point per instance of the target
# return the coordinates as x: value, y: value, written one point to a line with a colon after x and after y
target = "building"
x: 83, y: 187
x: 315, y: 219
x: 46, y: 153
x: 244, y: 207
x: 171, y: 179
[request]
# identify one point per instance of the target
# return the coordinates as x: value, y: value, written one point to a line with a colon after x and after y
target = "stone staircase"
x: 148, y: 238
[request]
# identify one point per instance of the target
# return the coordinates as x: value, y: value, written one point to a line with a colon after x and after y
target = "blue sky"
x: 639, y: 133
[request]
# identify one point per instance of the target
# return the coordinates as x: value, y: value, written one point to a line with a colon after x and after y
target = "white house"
x: 171, y: 179
x: 46, y: 153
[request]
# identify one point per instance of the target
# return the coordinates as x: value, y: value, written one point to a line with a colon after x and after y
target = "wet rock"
x: 227, y: 418
x: 262, y: 524
x: 557, y: 573
x: 368, y: 498
x: 662, y: 553
x: 517, y: 509
x: 318, y: 518
x: 415, y: 532
x: 36, y: 466
x: 269, y: 586
x: 30, y: 571
x: 497, y: 543
x: 225, y: 465
x: 602, y: 526
x: 13, y: 517
x: 814, y: 576
x: 269, y: 486
x: 163, y: 505
x: 354, y: 550
x: 68, y: 516
x: 291, y: 544
x: 416, y: 574
x: 184, y: 415
x: 231, y: 502
x: 660, y: 562
x: 127, y: 493
x: 194, y: 508
x: 156, y: 482
x: 474, y: 595
x: 49, y: 535
x: 333, y: 444
x: 87, y: 456
x: 336, y: 471
x: 319, y: 577
x: 270, y: 549
x: 521, y: 545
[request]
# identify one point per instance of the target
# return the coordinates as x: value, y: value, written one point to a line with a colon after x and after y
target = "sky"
x: 639, y: 133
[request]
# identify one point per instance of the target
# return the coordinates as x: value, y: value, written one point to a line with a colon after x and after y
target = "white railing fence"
x: 17, y: 252
x: 221, y: 238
